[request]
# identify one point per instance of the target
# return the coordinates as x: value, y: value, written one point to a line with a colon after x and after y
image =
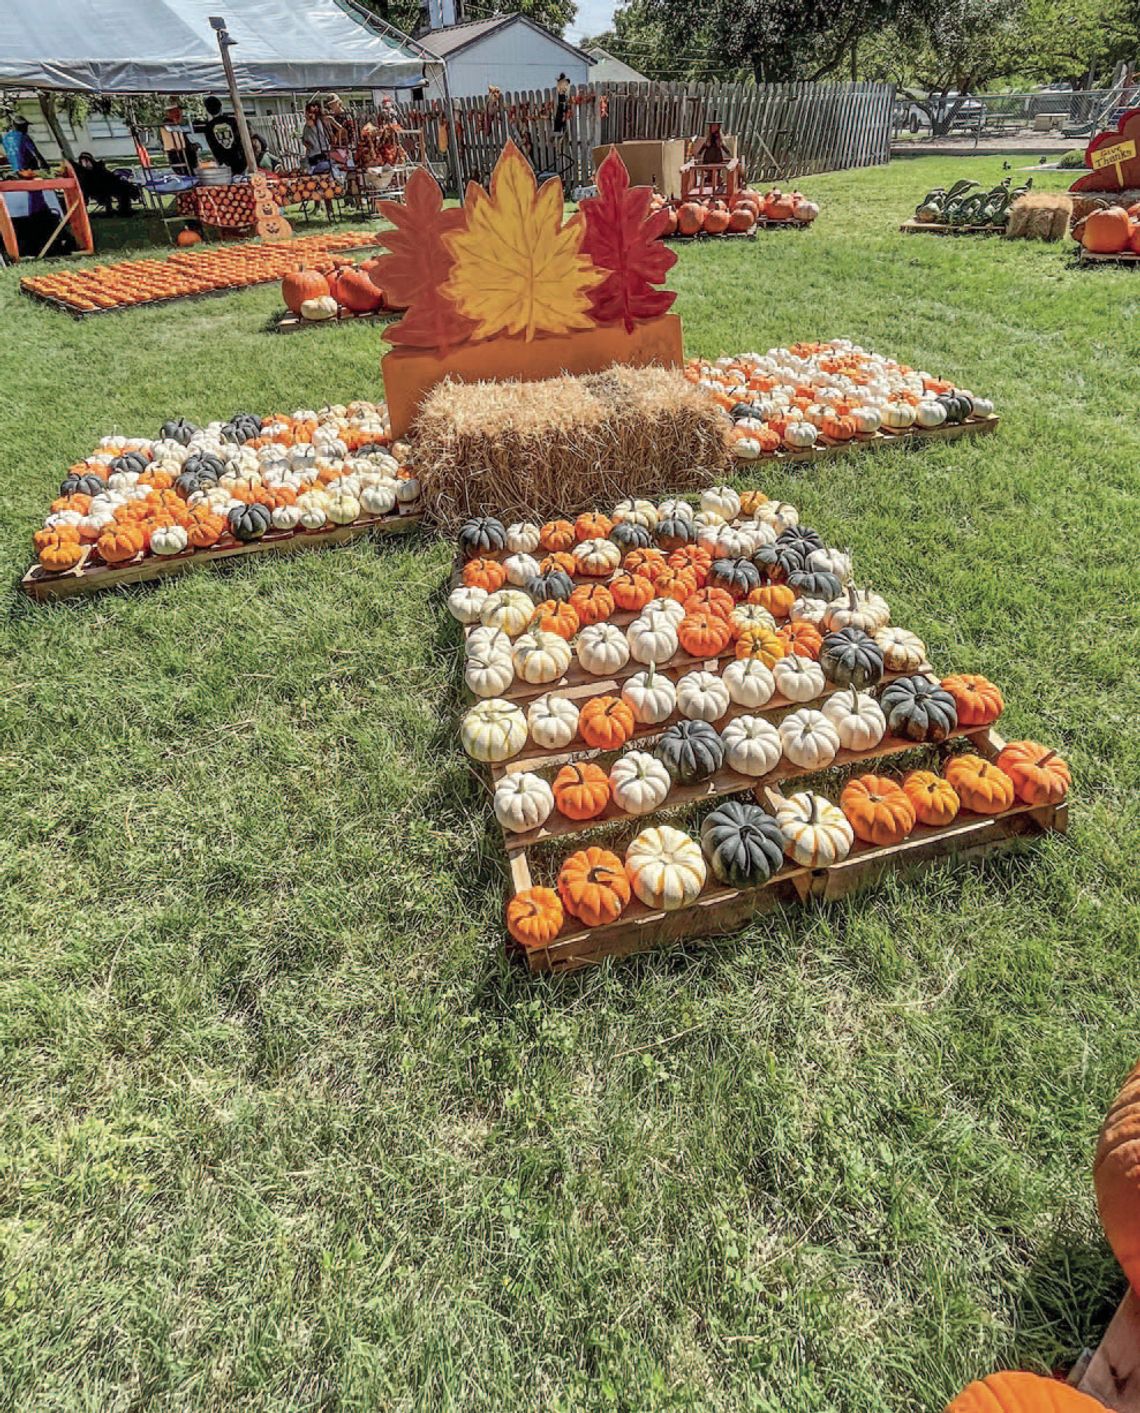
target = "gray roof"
x: 452, y: 38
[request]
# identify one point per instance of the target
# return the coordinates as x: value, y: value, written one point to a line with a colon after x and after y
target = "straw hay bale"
x: 1040, y: 215
x: 531, y: 450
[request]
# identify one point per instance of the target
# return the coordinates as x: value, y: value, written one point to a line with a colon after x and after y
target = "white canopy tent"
x: 168, y: 46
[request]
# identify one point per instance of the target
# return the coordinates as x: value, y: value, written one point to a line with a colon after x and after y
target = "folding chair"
x: 160, y: 190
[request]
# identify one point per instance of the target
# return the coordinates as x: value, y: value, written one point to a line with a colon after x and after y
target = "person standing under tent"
x: 316, y: 140
x: 222, y: 137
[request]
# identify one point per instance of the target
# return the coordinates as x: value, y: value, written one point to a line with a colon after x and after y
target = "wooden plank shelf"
x: 89, y: 577
x: 885, y: 437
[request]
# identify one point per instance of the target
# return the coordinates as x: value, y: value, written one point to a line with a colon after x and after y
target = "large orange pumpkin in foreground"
x: 1116, y: 1177
x: 1106, y: 232
x: 1022, y: 1393
x: 302, y: 284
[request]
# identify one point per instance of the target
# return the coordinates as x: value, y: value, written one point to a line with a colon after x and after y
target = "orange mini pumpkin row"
x: 606, y: 723
x: 878, y: 809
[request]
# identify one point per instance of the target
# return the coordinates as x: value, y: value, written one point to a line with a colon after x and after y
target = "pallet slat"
x: 1112, y: 1373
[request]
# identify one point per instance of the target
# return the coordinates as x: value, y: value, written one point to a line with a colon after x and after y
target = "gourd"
x: 486, y: 639
x: 540, y: 657
x: 918, y: 709
x: 553, y: 721
x: 631, y: 592
x: 1116, y: 1177
x: 669, y: 609
x: 702, y: 696
x: 857, y: 608
x: 690, y: 751
x: 703, y: 633
x: 521, y: 569
x: 489, y: 674
x: 493, y: 730
x: 710, y: 599
x: 597, y: 557
x: 639, y: 782
x: 851, y: 658
x: 1040, y: 776
x: 979, y: 784
x: 743, y: 844
x: 602, y: 649
x: 816, y: 832
x: 809, y: 739
x: 508, y: 609
x: 665, y: 867
x: 522, y: 537
x: 1018, y: 1392
x: 593, y: 603
x: 343, y: 508
x: 557, y: 559
x: 322, y: 306
x: 934, y: 799
x: 831, y: 561
x: 750, y: 615
x: 535, y: 917
x: 593, y: 886
x: 977, y: 700
x: 760, y: 643
x: 606, y: 723
x: 814, y: 583
x: 581, y: 790
x: 651, y: 696
x: 486, y: 574
x: 721, y: 499
x: 640, y: 512
x: 652, y: 639
x: 776, y: 599
x: 726, y: 541
x: 752, y: 745
x: 878, y: 810
x: 523, y: 801
x: 800, y: 436
x: 959, y: 406
x: 739, y: 576
x: 481, y: 535
x: 748, y: 682
x: 646, y: 562
x: 902, y: 650
x: 248, y: 522
x: 797, y: 678
x: 898, y: 416
x: 678, y: 584
x: 58, y: 552
x: 556, y: 535
x: 628, y: 535
x: 555, y: 584
x: 168, y: 539
x: 858, y: 719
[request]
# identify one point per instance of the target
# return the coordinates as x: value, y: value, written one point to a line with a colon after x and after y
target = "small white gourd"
x: 652, y: 639
x: 798, y: 678
x: 602, y: 649
x: 702, y: 696
x: 493, y: 730
x: 650, y: 695
x: 465, y: 601
x: 553, y: 721
x: 523, y: 801
x: 639, y: 782
x: 748, y: 682
x: 809, y: 739
x: 752, y: 745
x: 857, y: 717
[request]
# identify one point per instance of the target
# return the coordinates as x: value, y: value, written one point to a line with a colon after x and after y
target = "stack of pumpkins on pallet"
x: 333, y: 288
x: 1110, y: 230
x: 716, y: 217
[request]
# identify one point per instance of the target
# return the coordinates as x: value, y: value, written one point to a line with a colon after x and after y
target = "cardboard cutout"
x: 1123, y: 175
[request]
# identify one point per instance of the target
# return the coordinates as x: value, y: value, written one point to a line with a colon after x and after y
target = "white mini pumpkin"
x: 723, y: 499
x: 523, y: 801
x: 808, y: 610
x: 748, y: 682
x: 809, y: 739
x: 929, y: 414
x: 596, y: 557
x: 508, y: 609
x: 520, y: 568
x: 553, y: 721
x: 313, y: 516
x: 650, y: 695
x: 751, y: 615
x: 752, y: 745
x: 523, y: 537
x: 493, y: 730
x: 343, y: 508
x: 669, y: 609
x: 488, y: 674
x: 898, y: 416
x: 857, y: 608
x: 652, y: 639
x: 702, y: 696
x: 168, y: 539
x: 465, y: 601
x: 378, y: 499
x: 832, y: 561
x: 857, y: 717
x: 639, y: 782
x: 903, y: 651
x: 486, y: 639
x: 763, y: 532
x: 285, y: 517
x: 799, y: 436
x: 798, y: 678
x: 708, y: 517
x: 602, y: 648
x: 666, y: 868
x: 867, y: 420
x: 640, y: 512
x: 540, y: 656
x: 816, y: 832
x: 675, y: 509
x: 780, y: 514
x: 726, y: 542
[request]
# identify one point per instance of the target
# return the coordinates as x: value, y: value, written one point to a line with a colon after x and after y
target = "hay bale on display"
x: 1040, y: 215
x: 526, y: 451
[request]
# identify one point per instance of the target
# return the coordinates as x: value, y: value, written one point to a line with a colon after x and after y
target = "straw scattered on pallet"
x: 529, y: 450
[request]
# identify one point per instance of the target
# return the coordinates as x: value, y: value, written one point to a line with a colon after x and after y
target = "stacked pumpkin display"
x: 793, y: 399
x: 1110, y: 230
x: 194, y: 488
x: 187, y: 272
x: 748, y: 209
x: 342, y: 289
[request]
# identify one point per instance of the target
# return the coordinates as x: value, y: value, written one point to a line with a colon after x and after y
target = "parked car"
x: 969, y: 115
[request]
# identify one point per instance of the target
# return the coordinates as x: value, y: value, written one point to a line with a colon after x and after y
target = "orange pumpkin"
x: 690, y: 218
x: 302, y: 284
x: 976, y: 698
x: 760, y: 643
x: 593, y: 603
x: 52, y: 534
x: 534, y: 916
x: 878, y: 809
x: 120, y: 542
x: 352, y: 289
x: 694, y: 558
x: 979, y: 784
x: 555, y: 617
x: 631, y: 591
x: 560, y: 559
x: 801, y: 638
x: 646, y: 562
x: 205, y: 530
x: 1116, y: 1177
x: 716, y: 222
x: 486, y: 574
x: 703, y: 633
x: 1040, y: 776
x: 581, y: 790
x: 593, y: 886
x: 776, y: 598
x: 1107, y: 232
x: 606, y: 723
x: 676, y: 584
x: 556, y: 535
x: 59, y: 554
x: 592, y: 526
x: 715, y: 600
x: 1019, y: 1392
x: 934, y: 799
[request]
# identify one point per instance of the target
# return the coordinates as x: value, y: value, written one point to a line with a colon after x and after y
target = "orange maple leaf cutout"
x: 623, y: 240
x: 413, y: 273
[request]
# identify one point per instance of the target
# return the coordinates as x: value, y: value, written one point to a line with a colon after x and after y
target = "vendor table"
x: 74, y: 210
x: 232, y: 207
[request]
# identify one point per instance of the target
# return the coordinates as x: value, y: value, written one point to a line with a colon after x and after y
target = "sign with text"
x: 1110, y: 156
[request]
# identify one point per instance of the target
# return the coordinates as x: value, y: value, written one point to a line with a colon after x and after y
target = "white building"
x: 511, y: 51
x: 607, y: 69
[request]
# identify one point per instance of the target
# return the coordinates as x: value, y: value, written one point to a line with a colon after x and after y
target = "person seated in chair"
x: 104, y: 187
x: 265, y: 159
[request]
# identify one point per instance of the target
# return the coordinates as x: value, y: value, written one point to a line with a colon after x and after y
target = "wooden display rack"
x: 289, y: 323
x: 913, y: 227
x: 1112, y: 1372
x: 89, y: 577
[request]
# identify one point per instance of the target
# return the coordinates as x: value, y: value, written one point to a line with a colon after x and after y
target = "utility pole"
x: 225, y: 44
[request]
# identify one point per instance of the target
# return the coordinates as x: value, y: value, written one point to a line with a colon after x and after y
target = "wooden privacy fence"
x: 783, y: 130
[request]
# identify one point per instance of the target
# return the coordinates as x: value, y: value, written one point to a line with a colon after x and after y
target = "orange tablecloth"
x: 231, y: 207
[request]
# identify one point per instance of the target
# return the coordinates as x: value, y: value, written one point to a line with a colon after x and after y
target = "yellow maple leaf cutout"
x: 518, y: 269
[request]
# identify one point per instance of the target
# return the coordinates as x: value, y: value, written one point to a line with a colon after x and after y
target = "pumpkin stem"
x: 813, y: 809
x: 852, y: 596
x: 854, y: 698
x: 1046, y: 758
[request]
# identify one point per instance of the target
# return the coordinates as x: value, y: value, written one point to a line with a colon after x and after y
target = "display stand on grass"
x: 74, y: 213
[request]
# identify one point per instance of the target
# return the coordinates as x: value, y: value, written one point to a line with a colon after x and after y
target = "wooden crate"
x: 913, y: 227
x: 90, y: 577
x: 1112, y: 1372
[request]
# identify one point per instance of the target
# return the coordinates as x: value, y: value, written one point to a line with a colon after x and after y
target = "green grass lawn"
x: 280, y: 1126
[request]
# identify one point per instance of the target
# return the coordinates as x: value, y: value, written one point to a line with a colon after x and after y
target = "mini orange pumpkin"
x: 761, y: 644
x: 718, y: 601
x: 534, y: 916
x: 606, y: 723
x: 704, y: 633
x: 593, y: 886
x: 802, y: 638
x: 486, y: 574
x: 878, y: 809
x: 631, y: 591
x: 52, y: 534
x: 593, y: 603
x: 205, y: 530
x: 555, y: 617
x: 934, y: 799
x: 646, y: 562
x: 776, y: 598
x: 59, y: 554
x: 676, y: 584
x: 581, y: 790
x: 1040, y: 776
x: 560, y: 559
x: 751, y: 501
x: 120, y: 542
x: 979, y: 784
x: 556, y: 535
x: 978, y: 701
x: 696, y: 559
x: 592, y: 526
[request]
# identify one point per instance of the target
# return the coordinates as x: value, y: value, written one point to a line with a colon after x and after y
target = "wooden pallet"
x: 761, y: 225
x: 1112, y: 1373
x: 913, y: 227
x: 89, y: 577
x: 905, y: 436
x: 720, y: 910
x: 1087, y: 257
x: 289, y: 323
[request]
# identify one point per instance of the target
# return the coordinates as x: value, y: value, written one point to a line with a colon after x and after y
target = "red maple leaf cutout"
x: 622, y: 238
x: 412, y: 275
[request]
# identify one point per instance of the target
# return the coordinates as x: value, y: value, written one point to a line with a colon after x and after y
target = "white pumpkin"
x: 602, y: 649
x: 723, y: 499
x: 540, y: 656
x: 857, y: 608
x: 465, y: 601
x: 675, y: 509
x: 898, y: 416
x: 929, y: 414
x: 983, y: 407
x: 650, y: 695
x: 168, y: 539
x: 748, y: 682
x: 750, y: 615
x: 378, y: 499
x: 708, y: 517
x: 831, y: 561
x: 816, y: 832
x: 668, y: 609
x: 903, y: 651
x: 639, y: 782
x: 746, y: 448
x: 486, y: 639
x: 666, y: 868
x: 809, y: 739
x: 523, y: 801
x: 726, y: 542
x: 857, y: 717
x: 313, y: 516
x: 523, y: 537
x: 780, y: 514
x: 652, y: 639
x: 520, y: 568
x: 508, y: 609
x: 343, y: 508
x: 489, y: 674
x: 763, y: 532
x: 799, y: 436
x: 407, y: 489
x: 285, y: 517
x: 867, y: 420
x: 596, y: 557
x: 808, y: 610
x: 702, y: 696
x: 640, y: 512
x: 752, y: 745
x: 798, y: 678
x: 553, y: 721
x: 493, y: 730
